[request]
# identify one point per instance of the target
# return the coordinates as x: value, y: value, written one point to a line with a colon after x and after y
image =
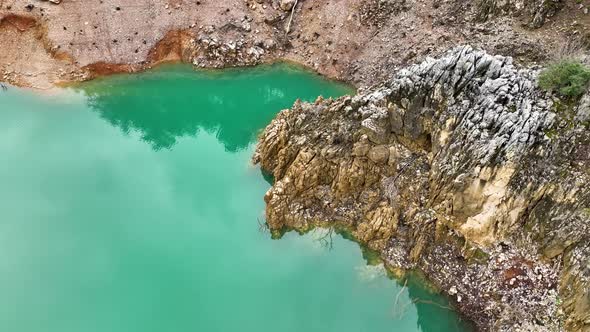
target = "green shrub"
x: 569, y: 78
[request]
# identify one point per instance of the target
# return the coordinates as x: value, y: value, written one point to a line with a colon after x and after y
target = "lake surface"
x: 129, y: 204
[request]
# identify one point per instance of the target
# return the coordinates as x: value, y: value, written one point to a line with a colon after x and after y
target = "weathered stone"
x: 379, y: 154
x: 449, y: 164
x: 287, y: 5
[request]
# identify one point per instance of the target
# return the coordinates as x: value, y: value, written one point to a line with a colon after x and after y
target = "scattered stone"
x: 287, y: 5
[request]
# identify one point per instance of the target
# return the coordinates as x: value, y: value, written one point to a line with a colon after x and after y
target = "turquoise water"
x: 129, y: 204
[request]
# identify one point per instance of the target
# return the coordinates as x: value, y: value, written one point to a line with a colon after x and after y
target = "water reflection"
x: 163, y: 105
x: 414, y: 293
x: 112, y: 234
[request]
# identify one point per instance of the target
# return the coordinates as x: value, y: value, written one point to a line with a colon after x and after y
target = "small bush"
x: 569, y: 78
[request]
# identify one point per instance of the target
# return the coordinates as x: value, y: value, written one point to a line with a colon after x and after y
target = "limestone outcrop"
x: 459, y: 166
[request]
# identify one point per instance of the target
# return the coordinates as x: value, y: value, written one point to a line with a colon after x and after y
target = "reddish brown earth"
x: 356, y: 41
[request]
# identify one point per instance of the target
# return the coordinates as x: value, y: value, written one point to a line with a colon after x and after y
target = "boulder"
x: 287, y: 5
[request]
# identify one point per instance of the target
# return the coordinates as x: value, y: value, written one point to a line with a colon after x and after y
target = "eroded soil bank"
x: 460, y: 166
x: 358, y: 41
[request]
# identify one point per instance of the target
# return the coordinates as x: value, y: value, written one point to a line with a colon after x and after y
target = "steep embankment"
x: 358, y: 41
x: 457, y: 166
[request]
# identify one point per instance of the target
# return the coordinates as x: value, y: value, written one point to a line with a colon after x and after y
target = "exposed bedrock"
x: 458, y: 166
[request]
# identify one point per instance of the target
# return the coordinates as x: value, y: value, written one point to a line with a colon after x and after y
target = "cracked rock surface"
x: 458, y: 166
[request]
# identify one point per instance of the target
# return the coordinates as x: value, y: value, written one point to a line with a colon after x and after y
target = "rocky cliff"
x: 460, y: 167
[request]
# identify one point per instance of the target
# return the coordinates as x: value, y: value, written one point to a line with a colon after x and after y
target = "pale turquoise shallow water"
x: 129, y: 204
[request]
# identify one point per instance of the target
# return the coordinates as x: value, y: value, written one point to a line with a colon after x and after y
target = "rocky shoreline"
x: 448, y: 168
x: 457, y: 166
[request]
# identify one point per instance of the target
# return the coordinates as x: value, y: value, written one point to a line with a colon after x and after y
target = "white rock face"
x: 454, y: 150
